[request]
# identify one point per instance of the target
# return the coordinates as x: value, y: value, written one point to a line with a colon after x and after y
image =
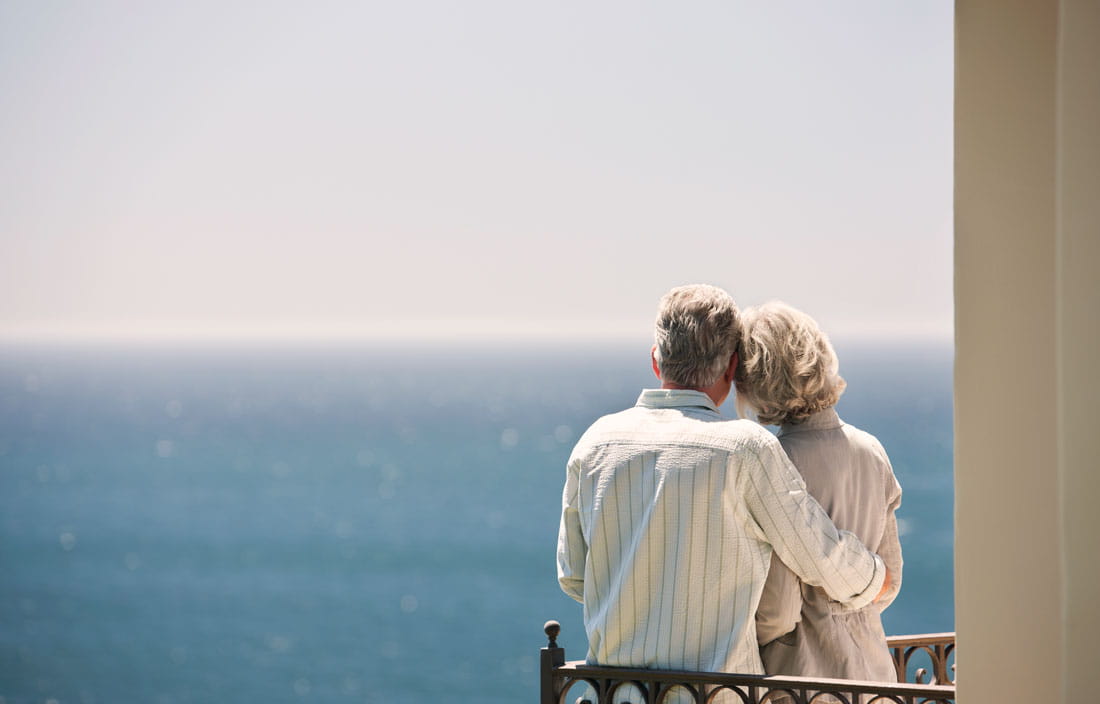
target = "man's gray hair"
x: 697, y: 331
x: 788, y: 369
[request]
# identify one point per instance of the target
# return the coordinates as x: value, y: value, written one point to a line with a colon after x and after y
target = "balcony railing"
x: 562, y: 682
x: 910, y: 651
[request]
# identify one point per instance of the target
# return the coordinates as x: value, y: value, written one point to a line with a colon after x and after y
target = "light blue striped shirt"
x: 669, y: 518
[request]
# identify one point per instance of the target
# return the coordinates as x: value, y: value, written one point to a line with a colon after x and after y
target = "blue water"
x: 343, y: 524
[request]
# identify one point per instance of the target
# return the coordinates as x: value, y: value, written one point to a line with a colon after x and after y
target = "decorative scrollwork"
x: 567, y: 684
x: 939, y: 649
x: 718, y: 694
x: 613, y: 687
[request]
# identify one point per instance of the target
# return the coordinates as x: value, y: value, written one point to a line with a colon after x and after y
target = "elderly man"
x: 670, y: 513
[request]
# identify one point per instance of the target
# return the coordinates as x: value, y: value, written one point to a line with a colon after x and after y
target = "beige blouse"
x: 802, y: 631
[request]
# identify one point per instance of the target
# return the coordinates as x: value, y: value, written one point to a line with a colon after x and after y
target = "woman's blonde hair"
x: 787, y: 368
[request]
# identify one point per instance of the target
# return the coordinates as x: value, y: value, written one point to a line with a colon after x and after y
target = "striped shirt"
x: 669, y: 518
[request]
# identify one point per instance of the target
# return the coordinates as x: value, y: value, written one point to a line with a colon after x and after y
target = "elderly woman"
x: 787, y: 376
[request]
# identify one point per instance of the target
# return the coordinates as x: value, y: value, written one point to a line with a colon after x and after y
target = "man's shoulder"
x: 643, y: 425
x: 741, y: 435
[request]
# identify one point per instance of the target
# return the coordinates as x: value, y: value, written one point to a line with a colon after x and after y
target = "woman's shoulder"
x: 860, y: 437
x: 868, y: 446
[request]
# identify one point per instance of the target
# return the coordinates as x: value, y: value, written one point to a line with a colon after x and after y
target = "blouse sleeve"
x: 889, y: 548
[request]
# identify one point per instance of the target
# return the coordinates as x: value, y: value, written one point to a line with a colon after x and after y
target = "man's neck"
x: 717, y: 391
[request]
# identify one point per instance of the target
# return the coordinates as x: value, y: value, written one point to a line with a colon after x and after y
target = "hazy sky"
x: 470, y: 168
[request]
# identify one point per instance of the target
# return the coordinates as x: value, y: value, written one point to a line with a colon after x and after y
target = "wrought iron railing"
x: 563, y: 682
x: 910, y: 651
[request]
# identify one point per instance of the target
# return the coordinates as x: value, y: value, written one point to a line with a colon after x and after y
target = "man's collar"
x: 676, y: 398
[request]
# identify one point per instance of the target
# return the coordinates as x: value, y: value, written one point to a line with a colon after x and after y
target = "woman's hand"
x: 885, y: 587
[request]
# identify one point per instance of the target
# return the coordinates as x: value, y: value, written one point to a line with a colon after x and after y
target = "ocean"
x: 345, y: 523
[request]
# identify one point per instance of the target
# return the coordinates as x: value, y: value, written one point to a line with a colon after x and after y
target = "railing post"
x: 551, y: 656
x: 897, y: 652
x: 940, y: 668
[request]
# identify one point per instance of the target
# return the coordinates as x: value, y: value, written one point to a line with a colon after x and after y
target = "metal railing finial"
x: 552, y: 629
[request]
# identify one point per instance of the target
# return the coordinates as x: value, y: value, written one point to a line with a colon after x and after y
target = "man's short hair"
x: 698, y: 328
x: 787, y: 369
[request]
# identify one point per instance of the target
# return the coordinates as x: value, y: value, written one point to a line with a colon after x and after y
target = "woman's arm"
x: 889, y: 548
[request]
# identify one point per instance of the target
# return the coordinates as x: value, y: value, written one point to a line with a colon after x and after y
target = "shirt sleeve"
x: 801, y: 532
x: 572, y: 548
x: 780, y: 607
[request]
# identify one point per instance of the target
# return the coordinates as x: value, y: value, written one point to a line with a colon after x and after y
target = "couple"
x: 694, y: 543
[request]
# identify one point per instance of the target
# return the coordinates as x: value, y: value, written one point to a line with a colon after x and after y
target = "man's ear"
x: 731, y: 370
x: 653, y: 358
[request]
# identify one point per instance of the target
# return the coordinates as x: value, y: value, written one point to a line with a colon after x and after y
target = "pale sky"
x: 466, y: 169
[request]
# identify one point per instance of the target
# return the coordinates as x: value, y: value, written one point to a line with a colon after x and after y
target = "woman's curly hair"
x: 787, y: 369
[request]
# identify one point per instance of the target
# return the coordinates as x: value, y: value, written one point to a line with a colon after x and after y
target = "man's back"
x: 669, y: 517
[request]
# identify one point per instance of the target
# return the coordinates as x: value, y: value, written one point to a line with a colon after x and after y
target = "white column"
x: 1079, y: 340
x: 1027, y: 390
